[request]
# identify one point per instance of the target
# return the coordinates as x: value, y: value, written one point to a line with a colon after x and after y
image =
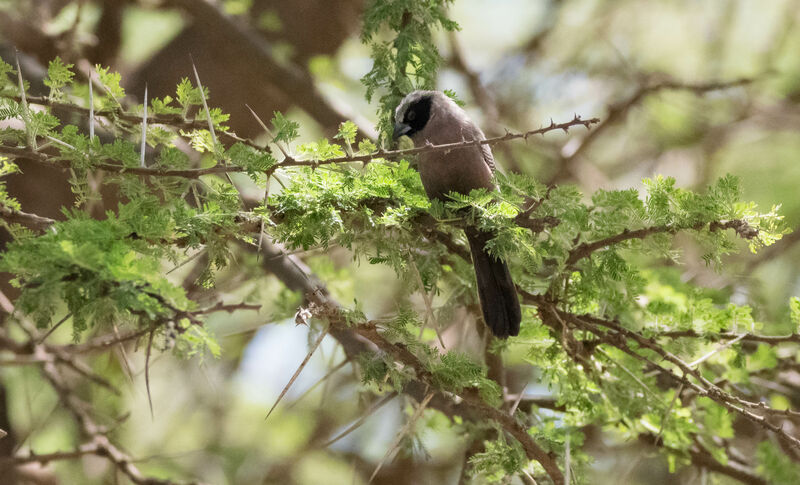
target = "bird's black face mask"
x: 415, y: 118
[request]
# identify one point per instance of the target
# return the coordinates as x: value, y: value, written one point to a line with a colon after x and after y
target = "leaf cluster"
x: 410, y: 59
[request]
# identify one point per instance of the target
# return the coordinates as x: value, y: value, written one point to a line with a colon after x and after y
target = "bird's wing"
x: 475, y: 133
x: 488, y: 157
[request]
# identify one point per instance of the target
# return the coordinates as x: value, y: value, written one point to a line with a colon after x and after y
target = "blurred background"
x: 688, y: 89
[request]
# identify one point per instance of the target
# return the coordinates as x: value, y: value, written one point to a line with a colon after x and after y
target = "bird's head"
x: 413, y: 113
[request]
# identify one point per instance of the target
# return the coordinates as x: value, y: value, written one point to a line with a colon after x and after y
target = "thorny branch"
x: 109, y: 165
x: 32, y: 221
x: 702, y: 458
x: 364, y: 335
x: 742, y: 228
x: 175, y: 121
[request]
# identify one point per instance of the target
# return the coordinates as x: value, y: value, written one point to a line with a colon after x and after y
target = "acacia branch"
x: 65, y: 353
x: 747, y: 337
x: 90, y: 448
x: 32, y: 221
x: 366, y: 337
x: 110, y: 165
x: 703, y: 459
x: 172, y: 120
x: 583, y: 250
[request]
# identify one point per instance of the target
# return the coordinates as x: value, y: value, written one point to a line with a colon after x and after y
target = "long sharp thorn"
x: 399, y: 438
x: 263, y: 219
x: 147, y: 373
x: 56, y: 140
x: 323, y: 379
x: 567, y: 464
x: 297, y: 372
x: 517, y: 401
x: 205, y: 104
x: 269, y: 132
x: 26, y: 113
x: 211, y: 127
x: 358, y: 422
x: 144, y: 129
x: 91, y: 108
x: 266, y: 190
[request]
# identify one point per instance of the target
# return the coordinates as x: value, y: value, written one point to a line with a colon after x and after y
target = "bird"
x: 432, y: 117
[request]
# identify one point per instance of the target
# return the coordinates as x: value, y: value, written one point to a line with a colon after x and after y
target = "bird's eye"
x: 411, y: 115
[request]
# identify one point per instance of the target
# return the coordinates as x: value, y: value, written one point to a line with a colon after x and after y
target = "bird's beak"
x: 400, y: 129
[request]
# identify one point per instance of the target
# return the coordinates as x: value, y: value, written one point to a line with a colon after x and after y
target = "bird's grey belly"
x: 460, y: 170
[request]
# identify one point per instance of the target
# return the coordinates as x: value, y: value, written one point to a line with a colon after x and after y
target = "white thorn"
x: 26, y: 112
x: 205, y: 104
x: 91, y: 108
x: 144, y: 129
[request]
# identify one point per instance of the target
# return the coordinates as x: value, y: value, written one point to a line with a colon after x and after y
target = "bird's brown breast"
x: 460, y: 170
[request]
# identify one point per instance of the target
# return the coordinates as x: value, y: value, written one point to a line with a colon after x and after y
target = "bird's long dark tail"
x: 496, y: 290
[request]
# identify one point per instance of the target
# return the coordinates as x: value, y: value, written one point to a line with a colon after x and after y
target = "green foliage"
x: 7, y: 168
x: 42, y: 124
x: 195, y: 339
x: 455, y: 371
x: 323, y: 204
x: 254, y: 162
x: 382, y: 371
x: 410, y: 60
x: 347, y: 132
x: 765, y: 357
x: 8, y: 87
x: 187, y: 95
x: 59, y: 75
x: 671, y: 305
x: 98, y: 268
x: 110, y: 81
x: 111, y: 269
x: 163, y: 106
x: 775, y: 466
x: 717, y: 419
x: 366, y: 146
x: 499, y: 460
x: 285, y: 130
x: 217, y: 117
x: 794, y: 309
x: 201, y: 140
x: 320, y: 150
x: 10, y: 109
x: 452, y: 95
